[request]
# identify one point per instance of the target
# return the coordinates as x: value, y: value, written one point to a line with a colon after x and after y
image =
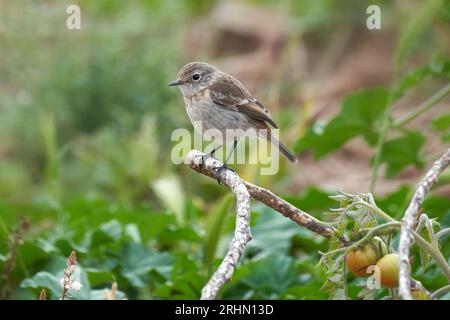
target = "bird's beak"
x: 176, y: 83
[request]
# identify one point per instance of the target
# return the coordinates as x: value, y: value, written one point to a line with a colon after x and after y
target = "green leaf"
x: 267, y: 278
x: 395, y: 203
x: 106, y: 233
x: 132, y: 232
x: 97, y: 277
x: 274, y: 233
x: 185, y: 282
x: 359, y: 116
x: 307, y: 291
x: 138, y: 261
x: 438, y: 207
x: 438, y: 67
x: 414, y: 29
x: 441, y: 123
x: 403, y: 151
x: 332, y: 284
x: 51, y: 282
x: 175, y: 234
x: 312, y: 200
x: 215, y: 227
x: 43, y: 279
x: 29, y: 253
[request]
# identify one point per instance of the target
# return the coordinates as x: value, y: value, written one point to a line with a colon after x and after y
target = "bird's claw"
x: 203, y: 158
x: 219, y: 170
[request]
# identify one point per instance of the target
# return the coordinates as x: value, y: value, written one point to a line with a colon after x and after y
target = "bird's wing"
x: 230, y: 93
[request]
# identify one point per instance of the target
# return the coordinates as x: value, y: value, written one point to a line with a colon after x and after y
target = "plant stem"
x: 344, y: 276
x: 442, y: 233
x: 435, y: 253
x: 378, y: 211
x: 385, y: 125
x: 372, y: 233
x: 440, y: 292
x: 425, y: 106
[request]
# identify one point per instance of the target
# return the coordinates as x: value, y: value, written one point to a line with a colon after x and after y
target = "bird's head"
x: 194, y: 77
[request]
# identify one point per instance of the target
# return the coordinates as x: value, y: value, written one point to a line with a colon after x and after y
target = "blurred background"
x: 86, y: 118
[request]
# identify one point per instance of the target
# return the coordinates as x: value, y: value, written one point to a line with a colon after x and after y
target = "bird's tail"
x: 283, y: 149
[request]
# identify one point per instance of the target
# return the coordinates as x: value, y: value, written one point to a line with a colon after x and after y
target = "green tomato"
x: 389, y: 268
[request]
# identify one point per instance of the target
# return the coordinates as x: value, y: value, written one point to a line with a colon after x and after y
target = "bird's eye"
x: 196, y: 77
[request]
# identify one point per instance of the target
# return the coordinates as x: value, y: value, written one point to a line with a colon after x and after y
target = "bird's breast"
x: 212, y: 120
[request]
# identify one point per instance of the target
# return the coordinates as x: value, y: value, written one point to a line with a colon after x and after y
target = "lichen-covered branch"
x: 409, y: 220
x: 242, y: 233
x: 267, y: 197
x: 289, y: 211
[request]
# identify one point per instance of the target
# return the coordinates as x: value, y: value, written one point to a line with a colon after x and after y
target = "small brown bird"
x: 218, y: 102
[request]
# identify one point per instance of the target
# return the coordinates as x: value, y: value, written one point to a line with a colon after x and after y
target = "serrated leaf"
x: 403, y: 151
x: 359, y: 116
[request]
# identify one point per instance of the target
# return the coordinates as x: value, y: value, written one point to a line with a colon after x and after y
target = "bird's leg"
x: 210, y: 154
x: 224, y: 166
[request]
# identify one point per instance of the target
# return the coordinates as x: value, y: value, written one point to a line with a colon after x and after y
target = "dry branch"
x: 409, y: 219
x: 243, y: 190
x: 242, y: 230
x: 265, y: 196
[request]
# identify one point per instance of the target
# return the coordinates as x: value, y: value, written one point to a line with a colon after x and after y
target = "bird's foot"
x: 203, y: 159
x: 206, y: 156
x: 219, y: 170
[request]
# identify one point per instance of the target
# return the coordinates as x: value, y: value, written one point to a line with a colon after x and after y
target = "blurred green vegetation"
x: 85, y: 123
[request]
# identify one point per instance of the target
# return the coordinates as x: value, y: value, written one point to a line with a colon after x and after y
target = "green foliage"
x: 359, y: 116
x: 400, y: 152
x: 215, y: 227
x: 439, y: 67
x: 442, y: 125
x: 268, y: 278
x: 415, y: 28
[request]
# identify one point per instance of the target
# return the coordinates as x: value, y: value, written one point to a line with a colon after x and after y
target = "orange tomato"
x: 360, y: 259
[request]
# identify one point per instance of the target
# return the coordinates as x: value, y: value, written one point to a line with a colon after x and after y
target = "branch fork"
x: 244, y: 191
